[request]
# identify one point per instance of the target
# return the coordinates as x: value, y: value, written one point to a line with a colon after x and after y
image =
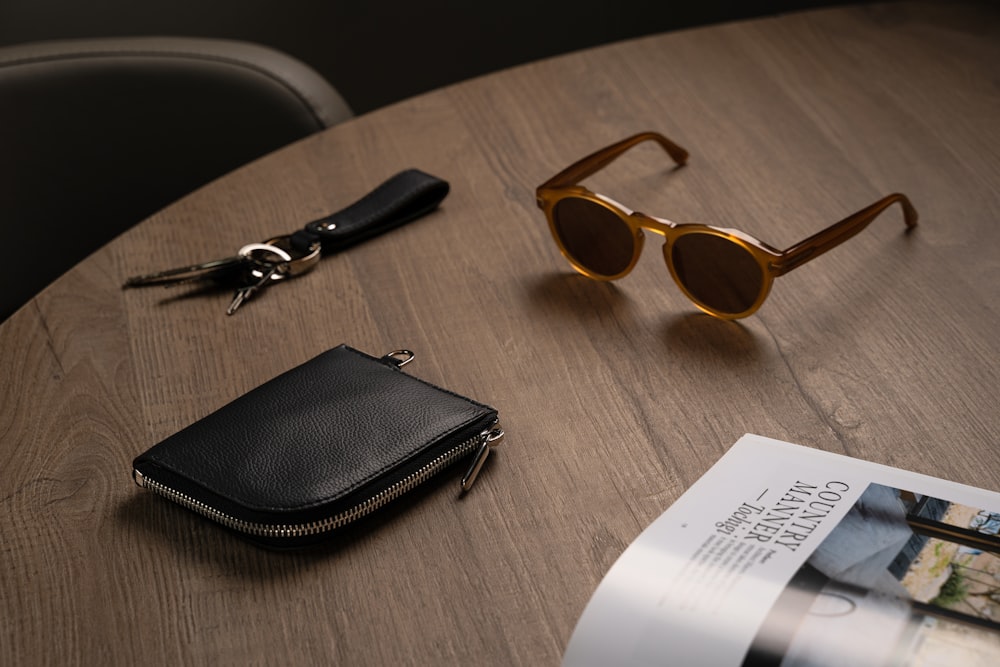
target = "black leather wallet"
x: 319, y: 447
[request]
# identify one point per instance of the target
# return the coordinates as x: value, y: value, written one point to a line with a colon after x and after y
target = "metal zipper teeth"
x: 338, y: 520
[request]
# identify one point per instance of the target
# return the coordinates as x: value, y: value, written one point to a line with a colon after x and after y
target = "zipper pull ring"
x: 399, y: 358
x: 488, y: 440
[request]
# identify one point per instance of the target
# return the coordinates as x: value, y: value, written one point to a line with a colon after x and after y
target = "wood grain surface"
x: 615, y: 397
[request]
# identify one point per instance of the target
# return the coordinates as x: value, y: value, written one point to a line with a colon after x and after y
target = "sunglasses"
x: 725, y: 272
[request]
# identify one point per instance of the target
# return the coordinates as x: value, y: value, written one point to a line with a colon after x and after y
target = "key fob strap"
x: 405, y: 197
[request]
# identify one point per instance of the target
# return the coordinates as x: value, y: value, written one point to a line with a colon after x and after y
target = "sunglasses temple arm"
x: 834, y: 235
x: 594, y: 162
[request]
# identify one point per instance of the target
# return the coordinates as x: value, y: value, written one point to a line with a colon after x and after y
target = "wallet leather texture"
x: 316, y: 442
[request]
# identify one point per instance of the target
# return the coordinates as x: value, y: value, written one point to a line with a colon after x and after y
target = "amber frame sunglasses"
x: 724, y: 272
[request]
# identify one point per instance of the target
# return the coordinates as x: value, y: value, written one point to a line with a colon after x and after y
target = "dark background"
x: 376, y: 53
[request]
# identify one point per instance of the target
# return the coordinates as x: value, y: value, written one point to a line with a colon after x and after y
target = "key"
x: 255, y: 266
x: 218, y: 270
x: 259, y: 278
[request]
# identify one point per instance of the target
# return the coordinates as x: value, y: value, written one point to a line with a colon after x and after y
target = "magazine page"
x: 787, y: 555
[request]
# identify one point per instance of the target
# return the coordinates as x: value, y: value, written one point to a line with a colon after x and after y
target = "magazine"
x: 786, y: 555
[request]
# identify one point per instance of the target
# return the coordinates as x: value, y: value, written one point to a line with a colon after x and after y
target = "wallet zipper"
x: 481, y: 444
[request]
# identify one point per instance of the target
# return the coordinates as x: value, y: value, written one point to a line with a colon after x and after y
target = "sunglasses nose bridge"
x: 659, y: 226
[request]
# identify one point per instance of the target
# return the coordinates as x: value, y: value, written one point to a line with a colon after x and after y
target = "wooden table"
x: 615, y: 397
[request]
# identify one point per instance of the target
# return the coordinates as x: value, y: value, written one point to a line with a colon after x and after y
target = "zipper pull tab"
x: 488, y: 440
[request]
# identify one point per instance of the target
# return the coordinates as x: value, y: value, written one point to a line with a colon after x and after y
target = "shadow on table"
x: 577, y: 296
x: 699, y: 334
x: 173, y: 294
x: 689, y: 333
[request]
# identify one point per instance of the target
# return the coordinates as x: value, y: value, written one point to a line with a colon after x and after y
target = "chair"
x: 96, y: 135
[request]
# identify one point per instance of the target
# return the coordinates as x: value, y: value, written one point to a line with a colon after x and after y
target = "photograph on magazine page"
x: 904, y: 579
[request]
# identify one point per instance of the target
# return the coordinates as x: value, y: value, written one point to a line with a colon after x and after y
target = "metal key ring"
x: 249, y: 248
x: 299, y: 262
x: 283, y: 262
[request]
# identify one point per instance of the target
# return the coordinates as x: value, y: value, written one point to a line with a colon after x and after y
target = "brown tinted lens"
x: 717, y: 272
x: 596, y: 238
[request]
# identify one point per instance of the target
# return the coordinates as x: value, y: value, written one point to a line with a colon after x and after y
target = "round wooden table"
x: 615, y: 396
